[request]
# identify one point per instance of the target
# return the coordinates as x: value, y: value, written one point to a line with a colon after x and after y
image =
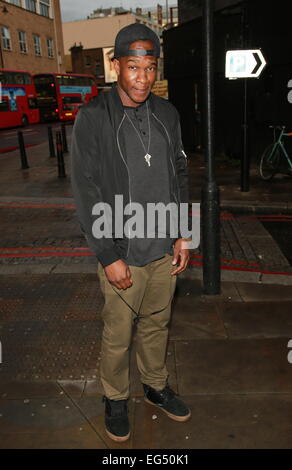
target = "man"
x: 127, y: 142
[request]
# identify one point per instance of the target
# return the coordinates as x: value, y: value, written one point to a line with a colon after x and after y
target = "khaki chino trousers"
x: 148, y: 304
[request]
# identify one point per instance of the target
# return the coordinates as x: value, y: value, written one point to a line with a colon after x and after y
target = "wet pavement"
x: 282, y: 234
x: 227, y: 354
x: 227, y: 358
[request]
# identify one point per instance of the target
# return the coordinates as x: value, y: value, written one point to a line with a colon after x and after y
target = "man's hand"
x: 181, y: 255
x: 119, y: 274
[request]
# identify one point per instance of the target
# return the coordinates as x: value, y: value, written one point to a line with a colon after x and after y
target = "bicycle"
x: 272, y: 157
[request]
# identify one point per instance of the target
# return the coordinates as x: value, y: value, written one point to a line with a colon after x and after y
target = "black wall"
x: 267, y: 26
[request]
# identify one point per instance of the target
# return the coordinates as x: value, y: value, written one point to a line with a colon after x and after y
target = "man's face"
x: 136, y: 75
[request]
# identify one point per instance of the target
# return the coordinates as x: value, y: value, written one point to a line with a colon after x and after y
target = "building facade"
x: 246, y: 24
x: 31, y: 36
x: 191, y: 9
x: 88, y: 61
x: 89, y: 43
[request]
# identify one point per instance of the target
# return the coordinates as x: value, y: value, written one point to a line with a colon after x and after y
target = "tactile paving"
x: 51, y: 326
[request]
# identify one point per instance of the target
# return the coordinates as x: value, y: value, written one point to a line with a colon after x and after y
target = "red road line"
x: 45, y: 254
x: 233, y: 268
x: 36, y: 205
x: 233, y: 261
x: 192, y: 262
x: 275, y: 219
x: 45, y: 248
x: 15, y: 147
x: 274, y: 215
x: 259, y: 216
x: 88, y: 253
x: 35, y: 251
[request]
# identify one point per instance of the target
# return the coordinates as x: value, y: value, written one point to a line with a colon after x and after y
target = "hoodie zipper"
x: 130, y: 199
x: 166, y: 131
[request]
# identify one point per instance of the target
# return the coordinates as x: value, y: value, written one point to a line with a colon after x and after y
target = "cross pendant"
x: 147, y: 158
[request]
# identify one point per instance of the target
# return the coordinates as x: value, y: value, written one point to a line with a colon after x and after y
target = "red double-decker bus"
x: 18, y: 104
x: 60, y: 95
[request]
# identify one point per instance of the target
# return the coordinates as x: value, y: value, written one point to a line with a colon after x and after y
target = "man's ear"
x: 117, y: 66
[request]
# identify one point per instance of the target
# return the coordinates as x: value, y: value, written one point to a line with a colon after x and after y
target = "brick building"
x: 31, y: 36
x: 88, y: 61
x: 89, y: 43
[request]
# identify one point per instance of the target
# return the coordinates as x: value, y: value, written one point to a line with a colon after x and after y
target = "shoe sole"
x: 170, y: 415
x: 117, y: 438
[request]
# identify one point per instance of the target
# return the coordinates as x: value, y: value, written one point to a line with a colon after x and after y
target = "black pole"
x: 60, y: 157
x: 64, y: 138
x: 24, y: 164
x: 245, y: 160
x: 210, y: 206
x: 51, y: 142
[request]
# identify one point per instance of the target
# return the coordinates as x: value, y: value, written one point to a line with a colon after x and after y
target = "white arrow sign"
x: 244, y: 63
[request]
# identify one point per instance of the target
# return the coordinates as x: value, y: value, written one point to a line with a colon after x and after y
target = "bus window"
x: 4, y: 106
x: 45, y: 87
x: 12, y: 99
x: 71, y: 99
x: 15, y: 78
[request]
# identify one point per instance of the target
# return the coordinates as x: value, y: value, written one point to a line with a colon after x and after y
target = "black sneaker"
x: 116, y: 419
x: 168, y: 402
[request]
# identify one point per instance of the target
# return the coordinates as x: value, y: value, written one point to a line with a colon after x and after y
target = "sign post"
x: 210, y: 192
x: 245, y: 63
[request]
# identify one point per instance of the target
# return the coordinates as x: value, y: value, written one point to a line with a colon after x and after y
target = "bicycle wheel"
x: 269, y: 163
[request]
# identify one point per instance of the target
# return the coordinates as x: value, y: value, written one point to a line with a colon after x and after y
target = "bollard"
x: 64, y: 138
x: 60, y: 157
x: 24, y: 164
x: 51, y: 142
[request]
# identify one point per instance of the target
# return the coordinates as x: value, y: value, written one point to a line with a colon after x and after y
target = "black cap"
x: 135, y: 32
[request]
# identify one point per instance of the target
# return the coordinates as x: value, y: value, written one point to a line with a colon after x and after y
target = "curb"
x: 195, y: 273
x: 284, y: 207
x: 241, y: 276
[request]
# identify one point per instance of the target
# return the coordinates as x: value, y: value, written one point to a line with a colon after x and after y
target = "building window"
x: 50, y: 46
x: 16, y: 2
x: 30, y: 5
x: 98, y: 69
x: 37, y: 44
x: 22, y: 41
x: 45, y: 8
x: 6, y: 40
x: 87, y: 60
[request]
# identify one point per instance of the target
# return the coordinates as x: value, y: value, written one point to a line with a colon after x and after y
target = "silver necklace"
x: 147, y: 155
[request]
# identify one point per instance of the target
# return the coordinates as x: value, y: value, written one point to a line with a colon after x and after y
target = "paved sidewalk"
x: 227, y: 355
x: 227, y: 358
x: 39, y: 199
